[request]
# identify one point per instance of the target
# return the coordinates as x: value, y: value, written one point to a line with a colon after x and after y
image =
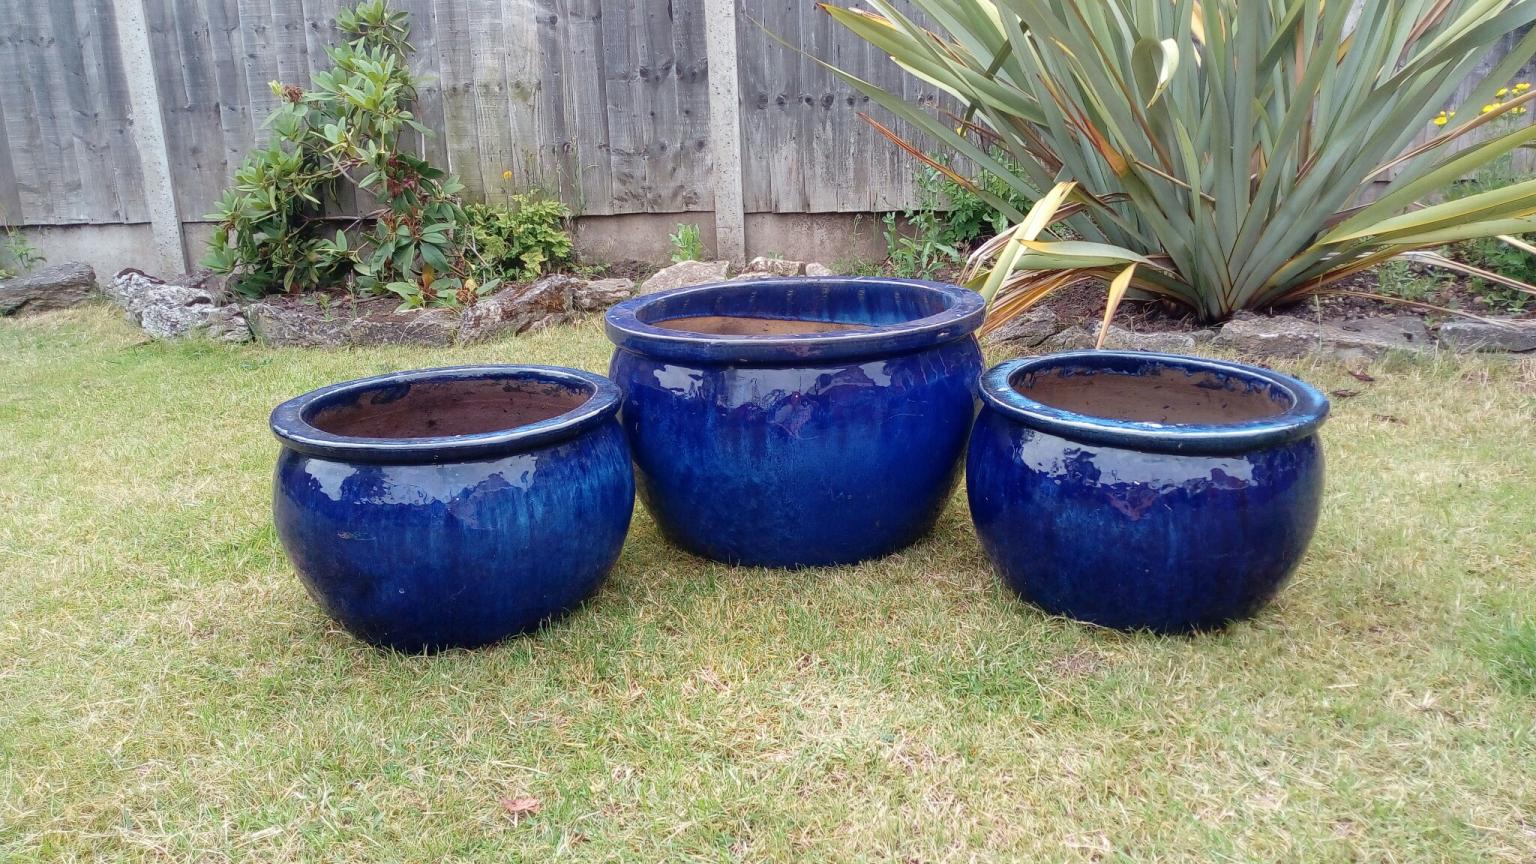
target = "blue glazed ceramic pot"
x: 1145, y: 491
x: 452, y: 507
x: 797, y: 422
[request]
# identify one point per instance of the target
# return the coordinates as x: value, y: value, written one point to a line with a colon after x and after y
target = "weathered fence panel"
x: 66, y: 155
x: 603, y: 103
x: 805, y: 150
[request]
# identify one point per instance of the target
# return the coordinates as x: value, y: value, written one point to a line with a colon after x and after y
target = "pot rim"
x: 963, y: 313
x: 290, y: 420
x: 1308, y: 409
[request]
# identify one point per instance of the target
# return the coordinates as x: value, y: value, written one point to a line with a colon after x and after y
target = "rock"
x: 302, y: 325
x: 601, y: 293
x: 751, y: 277
x: 1168, y: 342
x: 317, y: 325
x: 435, y: 328
x: 57, y: 287
x: 1518, y: 336
x: 684, y: 274
x: 1027, y: 329
x: 521, y: 308
x: 1072, y: 338
x: 1398, y: 331
x: 775, y: 266
x: 168, y: 310
x: 817, y: 269
x: 1285, y: 336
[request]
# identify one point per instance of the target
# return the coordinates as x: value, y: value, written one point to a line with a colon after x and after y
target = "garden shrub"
x: 946, y: 222
x: 346, y: 131
x: 520, y: 242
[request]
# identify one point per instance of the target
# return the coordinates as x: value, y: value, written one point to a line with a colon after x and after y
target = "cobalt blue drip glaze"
x: 453, y: 540
x: 800, y: 450
x: 1145, y: 525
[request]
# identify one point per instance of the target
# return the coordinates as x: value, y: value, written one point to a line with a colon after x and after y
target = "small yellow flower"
x: 1491, y: 106
x: 1522, y: 86
x: 1520, y: 110
x: 506, y: 175
x: 1450, y: 114
x: 1501, y: 92
x: 1441, y: 120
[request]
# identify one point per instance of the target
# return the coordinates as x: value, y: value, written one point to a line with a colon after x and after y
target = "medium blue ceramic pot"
x: 453, y: 507
x: 797, y: 422
x: 1145, y: 491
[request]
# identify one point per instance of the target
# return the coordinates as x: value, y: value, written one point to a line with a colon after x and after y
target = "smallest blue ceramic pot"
x: 447, y: 508
x: 1145, y: 491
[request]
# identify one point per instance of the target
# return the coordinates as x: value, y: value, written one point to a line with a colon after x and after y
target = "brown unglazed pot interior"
x: 446, y: 408
x: 1169, y: 396
x: 730, y: 325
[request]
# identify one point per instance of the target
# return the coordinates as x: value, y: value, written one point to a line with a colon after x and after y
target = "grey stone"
x: 521, y: 308
x: 1517, y: 336
x: 57, y: 287
x: 817, y: 269
x: 601, y: 293
x: 1166, y: 342
x: 434, y: 328
x: 1071, y: 339
x: 1285, y: 336
x: 302, y: 326
x: 315, y: 325
x: 684, y: 274
x: 168, y: 310
x: 1028, y: 329
x: 751, y: 277
x: 775, y: 266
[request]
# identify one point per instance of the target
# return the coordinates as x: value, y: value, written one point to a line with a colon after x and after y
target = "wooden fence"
x: 605, y: 103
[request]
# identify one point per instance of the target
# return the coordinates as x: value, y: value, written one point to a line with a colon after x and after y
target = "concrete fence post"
x: 149, y: 136
x: 725, y: 128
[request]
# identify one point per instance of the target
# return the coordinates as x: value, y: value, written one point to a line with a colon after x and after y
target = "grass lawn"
x: 169, y: 692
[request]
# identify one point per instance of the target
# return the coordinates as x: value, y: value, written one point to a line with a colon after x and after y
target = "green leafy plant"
x: 687, y: 245
x: 1210, y: 153
x: 1496, y: 262
x: 519, y: 242
x: 346, y: 130
x: 17, y: 256
x: 946, y: 221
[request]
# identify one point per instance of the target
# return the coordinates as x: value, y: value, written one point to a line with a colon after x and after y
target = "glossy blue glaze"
x: 1141, y: 525
x: 807, y: 449
x: 425, y: 543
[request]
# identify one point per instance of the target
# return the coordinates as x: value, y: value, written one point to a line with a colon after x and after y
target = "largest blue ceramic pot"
x: 452, y: 507
x: 1145, y: 491
x: 797, y: 422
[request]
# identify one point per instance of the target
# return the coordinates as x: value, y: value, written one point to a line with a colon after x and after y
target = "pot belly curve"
x: 430, y: 556
x: 790, y: 466
x: 1141, y: 540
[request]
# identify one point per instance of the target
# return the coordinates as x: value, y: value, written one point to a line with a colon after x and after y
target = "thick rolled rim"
x: 963, y: 313
x: 290, y: 421
x: 1308, y: 408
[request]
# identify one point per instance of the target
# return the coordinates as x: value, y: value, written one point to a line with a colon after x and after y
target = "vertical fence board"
x: 603, y: 103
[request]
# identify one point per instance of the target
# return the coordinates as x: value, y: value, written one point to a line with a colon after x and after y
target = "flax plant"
x: 1223, y: 155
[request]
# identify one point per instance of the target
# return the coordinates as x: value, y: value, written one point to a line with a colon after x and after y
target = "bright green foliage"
x: 948, y: 219
x: 17, y: 256
x: 1212, y: 153
x: 518, y: 243
x: 1492, y: 254
x: 345, y: 131
x: 687, y: 245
